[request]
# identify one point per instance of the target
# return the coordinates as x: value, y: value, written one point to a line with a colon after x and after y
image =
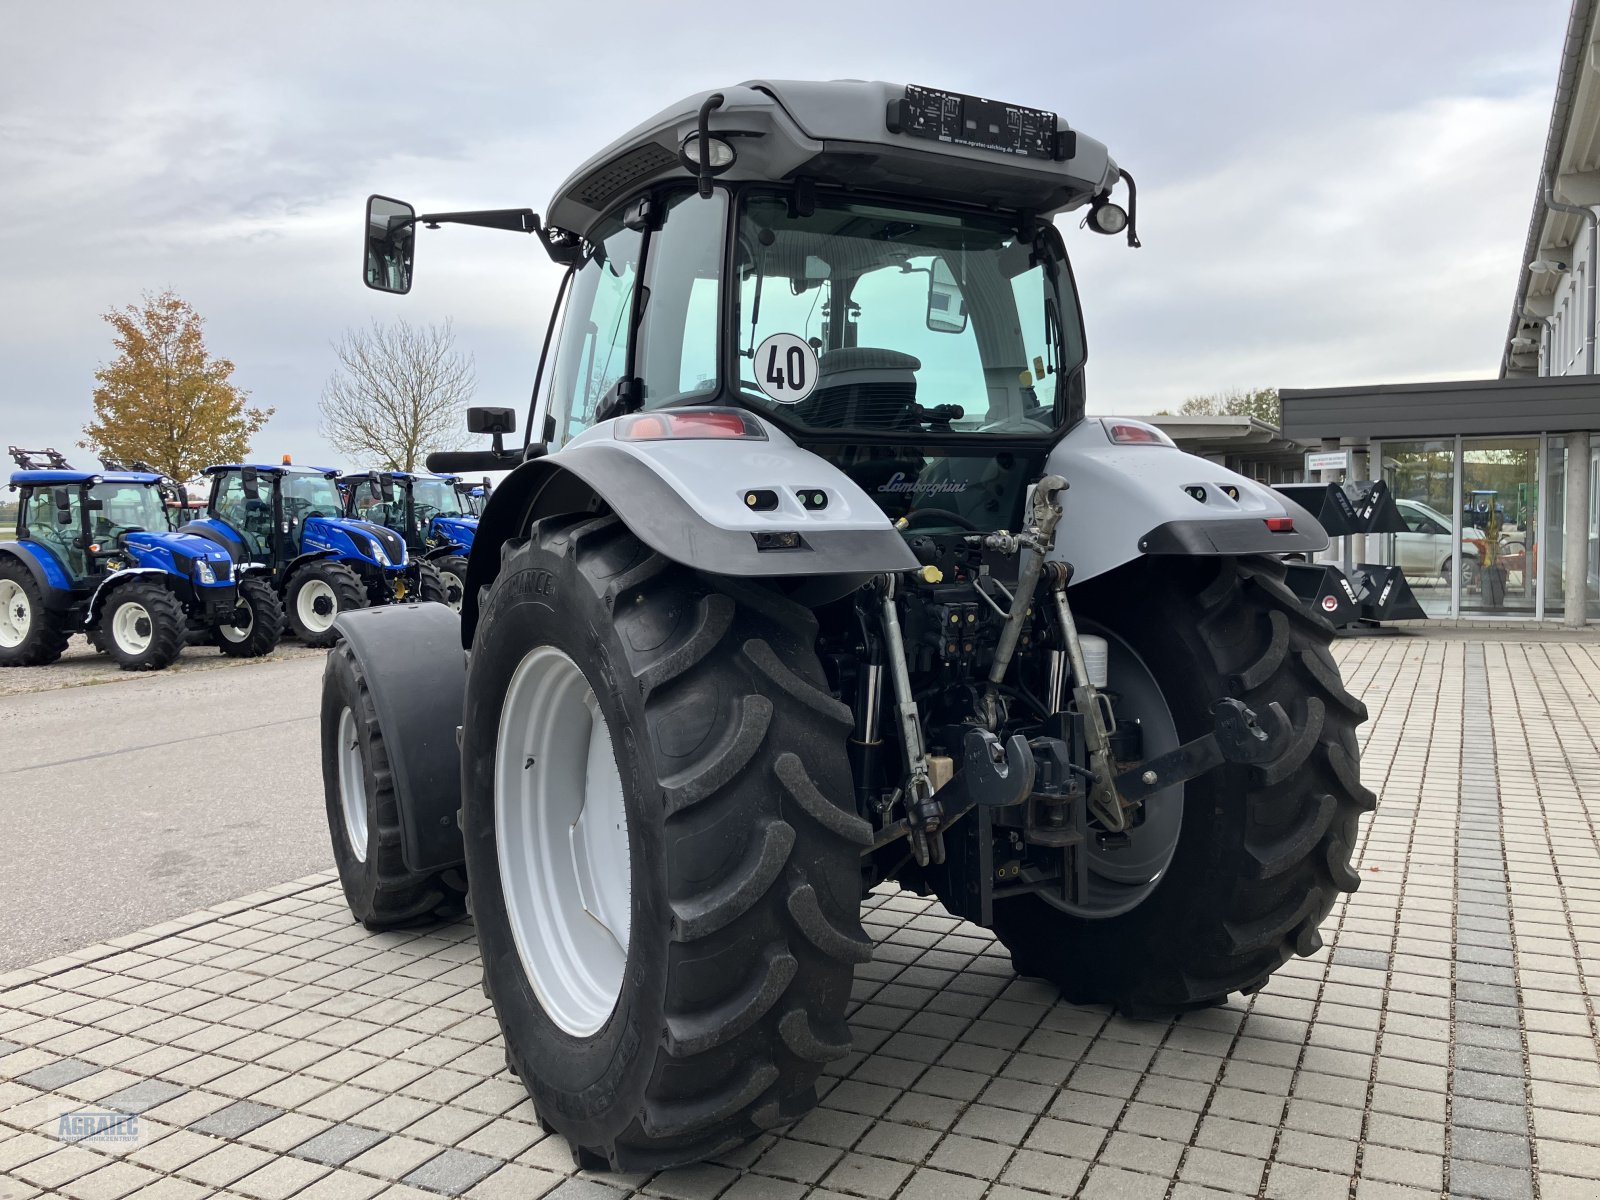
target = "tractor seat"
x: 863, y: 386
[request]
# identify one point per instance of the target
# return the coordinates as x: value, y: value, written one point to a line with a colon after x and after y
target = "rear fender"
x: 110, y: 583
x: 685, y: 499
x: 1130, y: 501
x: 55, y: 585
x: 445, y: 551
x: 410, y: 656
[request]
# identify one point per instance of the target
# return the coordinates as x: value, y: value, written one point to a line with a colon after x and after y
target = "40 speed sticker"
x: 786, y: 368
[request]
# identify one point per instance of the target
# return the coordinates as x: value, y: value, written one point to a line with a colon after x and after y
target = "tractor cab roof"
x: 271, y: 469
x: 55, y: 478
x: 881, y: 137
x: 417, y: 475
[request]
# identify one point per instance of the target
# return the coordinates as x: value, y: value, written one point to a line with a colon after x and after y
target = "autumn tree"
x: 165, y: 399
x: 398, y: 393
x: 1260, y: 403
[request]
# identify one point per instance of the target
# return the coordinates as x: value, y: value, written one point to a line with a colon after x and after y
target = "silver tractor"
x: 811, y: 575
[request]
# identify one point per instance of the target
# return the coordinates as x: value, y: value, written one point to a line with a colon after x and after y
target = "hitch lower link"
x: 996, y: 774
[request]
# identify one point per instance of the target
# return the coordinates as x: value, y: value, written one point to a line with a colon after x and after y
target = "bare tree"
x: 398, y: 393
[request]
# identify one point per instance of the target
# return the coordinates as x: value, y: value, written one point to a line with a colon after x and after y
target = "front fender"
x: 1127, y: 501
x: 109, y: 583
x: 301, y: 560
x: 686, y: 499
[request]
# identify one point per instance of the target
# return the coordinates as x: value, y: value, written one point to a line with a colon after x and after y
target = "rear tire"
x: 31, y: 635
x: 262, y: 612
x: 143, y: 626
x: 363, y: 811
x: 317, y: 594
x: 742, y: 844
x: 453, y: 574
x: 1262, y: 852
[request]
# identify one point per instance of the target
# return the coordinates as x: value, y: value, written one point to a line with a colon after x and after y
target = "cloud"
x: 1357, y: 251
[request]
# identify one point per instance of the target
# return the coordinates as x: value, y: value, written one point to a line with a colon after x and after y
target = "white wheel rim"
x: 132, y: 628
x: 352, y: 785
x: 241, y: 631
x: 305, y: 605
x: 1120, y: 879
x: 16, y: 614
x: 455, y: 589
x: 562, y: 834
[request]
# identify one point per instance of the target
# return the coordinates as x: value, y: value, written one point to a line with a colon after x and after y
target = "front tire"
x: 259, y: 621
x: 317, y: 594
x: 363, y: 811
x: 1261, y: 852
x: 431, y: 588
x: 143, y: 627
x: 31, y: 635
x: 453, y: 574
x: 740, y: 928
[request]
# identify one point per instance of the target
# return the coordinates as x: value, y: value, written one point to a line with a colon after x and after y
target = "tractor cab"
x: 472, y: 496
x: 885, y: 288
x: 276, y: 515
x: 432, y: 514
x: 81, y: 535
x: 289, y: 521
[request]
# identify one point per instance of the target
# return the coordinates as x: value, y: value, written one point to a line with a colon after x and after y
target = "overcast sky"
x: 1329, y: 194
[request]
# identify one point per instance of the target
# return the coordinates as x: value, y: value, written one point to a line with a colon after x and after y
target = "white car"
x: 1426, y: 550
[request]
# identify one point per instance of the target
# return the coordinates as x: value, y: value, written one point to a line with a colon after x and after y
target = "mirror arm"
x: 515, y: 220
x: 713, y: 101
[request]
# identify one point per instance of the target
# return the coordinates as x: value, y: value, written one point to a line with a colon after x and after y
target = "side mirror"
x: 63, y: 502
x: 495, y: 421
x: 390, y: 236
x: 386, y: 489
x: 947, y: 310
x: 250, y: 481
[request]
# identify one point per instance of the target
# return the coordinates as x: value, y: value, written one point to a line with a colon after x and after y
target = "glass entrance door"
x: 1421, y: 476
x: 1499, y: 526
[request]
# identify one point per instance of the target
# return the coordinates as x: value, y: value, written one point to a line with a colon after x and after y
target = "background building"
x: 1497, y: 478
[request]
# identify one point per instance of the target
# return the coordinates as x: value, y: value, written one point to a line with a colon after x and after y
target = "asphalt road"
x: 131, y: 801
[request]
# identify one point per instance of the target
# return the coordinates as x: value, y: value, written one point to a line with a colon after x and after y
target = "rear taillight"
x: 689, y: 423
x: 1280, y: 524
x: 1134, y: 433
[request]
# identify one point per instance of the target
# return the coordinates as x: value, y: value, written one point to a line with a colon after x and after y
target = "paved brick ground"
x: 1444, y: 1043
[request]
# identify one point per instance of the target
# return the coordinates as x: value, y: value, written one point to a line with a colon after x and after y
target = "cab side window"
x: 251, y: 517
x: 677, y: 351
x: 62, y: 540
x: 592, y: 353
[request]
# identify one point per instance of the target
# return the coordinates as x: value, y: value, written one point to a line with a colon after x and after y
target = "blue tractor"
x: 288, y: 524
x: 95, y: 552
x: 434, y: 514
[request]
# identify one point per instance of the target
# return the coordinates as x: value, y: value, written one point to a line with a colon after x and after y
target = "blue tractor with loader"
x: 287, y: 523
x: 95, y: 552
x: 432, y: 513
